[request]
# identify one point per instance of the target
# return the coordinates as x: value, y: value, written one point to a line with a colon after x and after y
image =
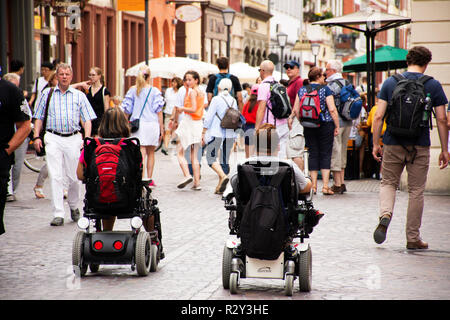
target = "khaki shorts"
x: 295, y: 147
x: 339, y: 153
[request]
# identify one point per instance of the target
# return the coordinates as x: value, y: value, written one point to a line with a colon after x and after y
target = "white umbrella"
x: 247, y: 73
x: 244, y: 72
x: 169, y: 67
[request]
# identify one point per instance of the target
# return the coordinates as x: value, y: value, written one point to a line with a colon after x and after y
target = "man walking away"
x: 212, y: 88
x: 401, y: 149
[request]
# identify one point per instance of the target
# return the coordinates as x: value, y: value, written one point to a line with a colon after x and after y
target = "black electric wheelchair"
x: 295, y: 260
x: 141, y: 249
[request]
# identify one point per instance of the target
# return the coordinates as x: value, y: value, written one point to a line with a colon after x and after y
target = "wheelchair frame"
x: 235, y: 264
x: 141, y: 249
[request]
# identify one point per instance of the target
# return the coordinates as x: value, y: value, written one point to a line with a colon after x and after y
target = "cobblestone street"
x: 35, y: 258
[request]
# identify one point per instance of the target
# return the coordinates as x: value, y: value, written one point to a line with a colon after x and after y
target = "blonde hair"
x: 99, y: 72
x: 143, y: 74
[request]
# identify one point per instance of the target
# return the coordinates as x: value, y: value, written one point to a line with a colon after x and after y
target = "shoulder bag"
x: 44, y: 125
x: 135, y: 123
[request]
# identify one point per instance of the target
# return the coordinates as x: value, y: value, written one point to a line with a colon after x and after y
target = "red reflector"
x: 118, y: 245
x: 98, y: 245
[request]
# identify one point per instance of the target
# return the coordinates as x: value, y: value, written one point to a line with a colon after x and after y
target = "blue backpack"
x: 219, y: 77
x: 350, y: 103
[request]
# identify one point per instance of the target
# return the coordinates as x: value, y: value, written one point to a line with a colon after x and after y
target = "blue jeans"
x: 212, y: 152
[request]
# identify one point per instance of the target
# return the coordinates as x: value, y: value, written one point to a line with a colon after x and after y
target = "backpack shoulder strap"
x: 278, y: 177
x: 308, y: 88
x: 398, y: 77
x: 424, y: 79
x: 338, y: 83
x: 250, y: 175
x: 99, y: 141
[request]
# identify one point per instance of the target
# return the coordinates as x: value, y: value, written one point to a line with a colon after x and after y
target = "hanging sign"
x: 188, y: 13
x: 131, y: 5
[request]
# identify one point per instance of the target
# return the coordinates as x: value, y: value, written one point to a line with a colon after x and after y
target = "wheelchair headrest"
x: 265, y: 171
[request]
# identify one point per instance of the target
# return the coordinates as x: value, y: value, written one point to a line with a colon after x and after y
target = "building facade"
x: 256, y: 31
x: 430, y: 28
x: 287, y: 17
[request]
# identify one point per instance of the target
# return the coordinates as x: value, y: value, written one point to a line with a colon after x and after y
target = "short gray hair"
x: 11, y: 76
x: 64, y: 66
x: 336, y: 65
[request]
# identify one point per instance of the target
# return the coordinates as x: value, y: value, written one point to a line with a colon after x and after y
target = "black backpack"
x: 279, y: 99
x: 113, y: 175
x: 405, y: 110
x: 263, y: 229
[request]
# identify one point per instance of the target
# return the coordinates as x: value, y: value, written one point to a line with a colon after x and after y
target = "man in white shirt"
x: 41, y: 82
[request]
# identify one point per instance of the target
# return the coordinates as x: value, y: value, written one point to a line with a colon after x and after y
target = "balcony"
x: 345, y: 41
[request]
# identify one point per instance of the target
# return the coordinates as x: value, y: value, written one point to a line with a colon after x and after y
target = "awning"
x: 369, y: 22
x: 386, y: 58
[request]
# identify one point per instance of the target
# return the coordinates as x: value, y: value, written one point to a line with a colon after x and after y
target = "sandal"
x: 314, y: 190
x: 327, y: 191
x: 39, y: 192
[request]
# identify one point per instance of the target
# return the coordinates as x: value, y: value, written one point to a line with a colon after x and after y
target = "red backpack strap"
x: 99, y: 142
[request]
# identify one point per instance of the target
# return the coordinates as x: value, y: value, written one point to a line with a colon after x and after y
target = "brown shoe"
x: 417, y: 245
x: 343, y: 188
x: 337, y: 189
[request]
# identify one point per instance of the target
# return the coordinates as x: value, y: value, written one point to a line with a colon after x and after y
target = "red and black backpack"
x: 113, y: 175
x: 310, y: 108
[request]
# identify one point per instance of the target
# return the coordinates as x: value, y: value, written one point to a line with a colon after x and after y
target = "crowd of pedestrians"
x: 190, y: 114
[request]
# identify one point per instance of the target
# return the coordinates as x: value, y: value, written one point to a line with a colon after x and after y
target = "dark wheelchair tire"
x: 94, y: 267
x: 226, y: 266
x: 77, y: 254
x: 143, y: 254
x: 154, y: 259
x: 305, y: 270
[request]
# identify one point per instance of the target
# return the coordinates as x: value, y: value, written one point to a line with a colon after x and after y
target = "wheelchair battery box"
x: 270, y: 269
x: 114, y: 247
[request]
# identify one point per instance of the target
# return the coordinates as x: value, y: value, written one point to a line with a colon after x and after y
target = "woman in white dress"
x: 145, y: 103
x: 171, y: 97
x: 189, y: 131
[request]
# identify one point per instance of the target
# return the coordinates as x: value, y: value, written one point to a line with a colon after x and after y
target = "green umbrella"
x: 386, y: 58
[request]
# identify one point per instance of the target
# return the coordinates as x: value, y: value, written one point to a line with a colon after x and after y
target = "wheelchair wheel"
x: 94, y: 267
x: 305, y: 270
x: 289, y: 285
x: 234, y: 282
x: 143, y: 254
x: 77, y: 254
x: 154, y: 259
x: 226, y: 266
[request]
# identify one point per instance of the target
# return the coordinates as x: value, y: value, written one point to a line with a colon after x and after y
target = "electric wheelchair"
x: 295, y: 260
x: 141, y: 249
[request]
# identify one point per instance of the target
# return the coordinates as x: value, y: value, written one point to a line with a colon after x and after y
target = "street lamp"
x: 228, y: 18
x: 315, y: 47
x: 282, y: 39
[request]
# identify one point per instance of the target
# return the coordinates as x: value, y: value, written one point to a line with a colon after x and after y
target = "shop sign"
x: 188, y: 13
x: 131, y: 5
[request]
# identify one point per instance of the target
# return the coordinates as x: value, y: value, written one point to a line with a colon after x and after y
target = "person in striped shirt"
x: 67, y: 107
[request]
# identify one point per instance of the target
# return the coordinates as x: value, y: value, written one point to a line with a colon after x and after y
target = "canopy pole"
x: 369, y: 79
x: 374, y: 73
